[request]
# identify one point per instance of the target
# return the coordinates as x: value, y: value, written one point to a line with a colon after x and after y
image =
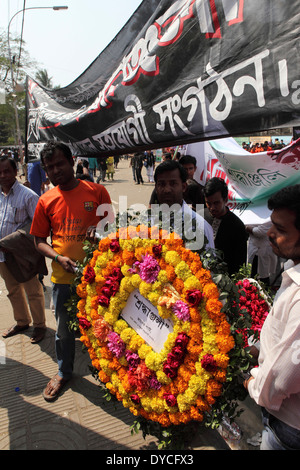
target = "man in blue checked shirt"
x: 17, y: 206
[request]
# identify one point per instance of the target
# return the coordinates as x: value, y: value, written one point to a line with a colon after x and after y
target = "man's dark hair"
x: 170, y: 165
x: 187, y: 159
x: 287, y: 198
x: 50, y: 148
x: 11, y: 160
x: 214, y: 185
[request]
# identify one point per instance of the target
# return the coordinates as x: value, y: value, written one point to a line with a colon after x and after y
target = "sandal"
x: 14, y: 330
x: 37, y: 335
x: 54, y: 388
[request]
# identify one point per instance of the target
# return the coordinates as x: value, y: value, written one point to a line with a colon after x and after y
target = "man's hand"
x: 66, y: 263
x: 91, y: 234
x: 246, y: 382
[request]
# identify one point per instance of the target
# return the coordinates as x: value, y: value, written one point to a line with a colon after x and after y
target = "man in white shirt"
x: 170, y: 184
x: 275, y: 383
x: 17, y: 206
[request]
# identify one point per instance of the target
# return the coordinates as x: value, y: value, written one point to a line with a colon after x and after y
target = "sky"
x: 66, y: 42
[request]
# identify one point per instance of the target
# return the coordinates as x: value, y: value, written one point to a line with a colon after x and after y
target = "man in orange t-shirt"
x: 68, y: 213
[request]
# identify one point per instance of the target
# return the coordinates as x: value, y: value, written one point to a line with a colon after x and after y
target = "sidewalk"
x: 80, y: 419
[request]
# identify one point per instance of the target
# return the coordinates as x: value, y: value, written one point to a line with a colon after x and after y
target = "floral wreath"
x: 182, y: 381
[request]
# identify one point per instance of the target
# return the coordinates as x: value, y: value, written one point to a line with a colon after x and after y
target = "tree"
x: 43, y: 78
x: 21, y: 63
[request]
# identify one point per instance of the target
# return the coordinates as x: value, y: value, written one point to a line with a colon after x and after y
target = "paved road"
x: 81, y: 419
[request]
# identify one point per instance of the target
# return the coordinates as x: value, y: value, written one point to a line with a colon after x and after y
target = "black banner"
x: 178, y: 72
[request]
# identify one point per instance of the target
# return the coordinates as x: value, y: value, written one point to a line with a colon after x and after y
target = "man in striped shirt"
x: 17, y: 206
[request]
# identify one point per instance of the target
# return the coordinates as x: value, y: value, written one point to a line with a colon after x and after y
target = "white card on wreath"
x: 144, y: 318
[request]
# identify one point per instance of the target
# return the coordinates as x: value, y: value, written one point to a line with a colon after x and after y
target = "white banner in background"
x: 251, y: 178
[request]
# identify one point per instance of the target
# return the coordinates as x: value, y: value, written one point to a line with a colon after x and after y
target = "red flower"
x: 114, y: 246
x: 176, y: 356
x: 156, y: 249
x: 177, y: 353
x: 89, y: 275
x: 251, y: 302
x: 84, y: 323
x: 110, y: 288
x: 170, y: 399
x: 182, y: 340
x: 135, y: 398
x: 208, y: 363
x: 103, y: 300
x: 194, y: 297
x: 116, y: 274
x: 169, y: 370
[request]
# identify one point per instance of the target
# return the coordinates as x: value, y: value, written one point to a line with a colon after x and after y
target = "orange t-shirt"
x: 66, y: 215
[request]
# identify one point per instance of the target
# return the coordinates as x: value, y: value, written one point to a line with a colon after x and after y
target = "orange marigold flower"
x: 195, y: 315
x: 182, y: 382
x: 220, y: 375
x: 81, y: 290
x: 170, y: 273
x: 195, y: 414
x: 202, y: 404
x: 106, y: 353
x: 85, y: 340
x: 178, y: 284
x: 81, y: 305
x: 222, y: 360
x: 214, y: 388
x: 204, y: 276
x: 128, y: 257
x: 95, y: 363
x: 103, y: 246
x: 103, y: 376
x: 211, y: 291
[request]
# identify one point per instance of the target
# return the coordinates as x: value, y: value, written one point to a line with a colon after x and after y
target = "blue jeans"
x: 64, y: 338
x: 278, y: 435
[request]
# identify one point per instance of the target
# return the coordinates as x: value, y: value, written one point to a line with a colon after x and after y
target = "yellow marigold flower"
x: 163, y: 276
x: 136, y: 280
x: 153, y: 297
x: 125, y: 271
x: 144, y: 350
x: 145, y: 288
x: 172, y: 258
x: 192, y: 283
x: 136, y: 342
x: 162, y: 378
x: 164, y: 312
x: 154, y: 361
x: 126, y: 334
x: 182, y: 270
x: 120, y: 325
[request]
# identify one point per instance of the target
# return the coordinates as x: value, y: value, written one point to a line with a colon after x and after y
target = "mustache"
x: 272, y: 242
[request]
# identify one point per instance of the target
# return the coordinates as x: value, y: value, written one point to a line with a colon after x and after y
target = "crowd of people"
x: 57, y: 221
x: 266, y: 146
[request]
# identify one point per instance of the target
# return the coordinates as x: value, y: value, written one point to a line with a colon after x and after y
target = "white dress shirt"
x: 276, y: 384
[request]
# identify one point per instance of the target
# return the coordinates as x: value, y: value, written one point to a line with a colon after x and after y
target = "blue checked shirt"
x: 16, y: 210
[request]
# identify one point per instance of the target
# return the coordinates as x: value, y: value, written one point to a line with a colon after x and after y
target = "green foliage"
x: 71, y: 304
